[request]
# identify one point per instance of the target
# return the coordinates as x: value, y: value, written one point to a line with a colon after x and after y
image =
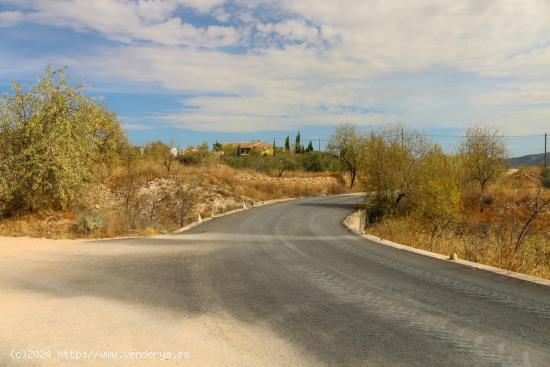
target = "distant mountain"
x: 532, y: 160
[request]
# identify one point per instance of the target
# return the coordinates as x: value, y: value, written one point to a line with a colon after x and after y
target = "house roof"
x: 251, y: 144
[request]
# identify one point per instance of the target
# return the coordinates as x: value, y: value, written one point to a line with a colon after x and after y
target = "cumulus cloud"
x: 274, y: 64
x: 292, y: 30
x: 129, y: 21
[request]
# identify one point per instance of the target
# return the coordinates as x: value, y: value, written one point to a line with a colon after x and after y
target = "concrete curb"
x: 353, y: 223
x: 256, y: 205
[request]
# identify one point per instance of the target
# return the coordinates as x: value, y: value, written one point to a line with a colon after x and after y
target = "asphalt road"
x: 298, y: 288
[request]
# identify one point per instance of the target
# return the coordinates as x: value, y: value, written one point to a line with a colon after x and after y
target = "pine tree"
x: 217, y: 146
x: 287, y: 144
x: 309, y: 147
x: 298, y: 146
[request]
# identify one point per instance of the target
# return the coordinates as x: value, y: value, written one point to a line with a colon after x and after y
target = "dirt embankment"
x: 163, y: 203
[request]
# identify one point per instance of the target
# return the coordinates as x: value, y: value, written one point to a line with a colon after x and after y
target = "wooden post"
x: 545, y: 151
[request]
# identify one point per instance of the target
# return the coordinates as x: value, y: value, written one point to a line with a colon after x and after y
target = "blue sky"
x: 195, y: 70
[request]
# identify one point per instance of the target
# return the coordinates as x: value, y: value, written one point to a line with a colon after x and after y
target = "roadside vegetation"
x: 68, y: 170
x: 467, y: 203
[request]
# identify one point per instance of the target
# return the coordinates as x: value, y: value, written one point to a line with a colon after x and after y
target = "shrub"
x: 90, y: 222
x: 393, y: 168
x: 54, y: 139
x: 310, y: 162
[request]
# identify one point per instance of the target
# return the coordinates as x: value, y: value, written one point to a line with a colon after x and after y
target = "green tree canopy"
x: 54, y: 139
x: 217, y: 146
x: 298, y: 144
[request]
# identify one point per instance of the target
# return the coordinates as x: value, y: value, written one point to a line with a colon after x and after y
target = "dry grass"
x: 490, y: 236
x: 54, y: 225
x: 245, y: 183
x: 139, y: 200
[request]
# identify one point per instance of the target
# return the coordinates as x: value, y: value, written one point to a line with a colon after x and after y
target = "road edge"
x: 234, y: 211
x: 354, y: 222
x: 255, y: 205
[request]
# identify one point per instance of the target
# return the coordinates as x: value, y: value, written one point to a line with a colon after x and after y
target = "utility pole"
x: 545, y: 151
x: 319, y: 144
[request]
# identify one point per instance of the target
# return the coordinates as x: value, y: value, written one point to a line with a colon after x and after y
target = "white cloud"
x: 516, y: 95
x: 10, y: 18
x: 291, y: 30
x: 155, y: 10
x: 130, y: 21
x: 311, y: 62
x: 202, y: 6
x: 403, y: 35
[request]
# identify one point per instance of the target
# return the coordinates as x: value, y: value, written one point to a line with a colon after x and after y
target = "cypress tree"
x: 287, y: 143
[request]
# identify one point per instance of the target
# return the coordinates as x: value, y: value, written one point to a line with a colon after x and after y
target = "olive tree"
x: 54, y: 139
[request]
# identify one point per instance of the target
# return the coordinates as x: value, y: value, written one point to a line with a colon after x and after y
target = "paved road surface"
x: 284, y: 284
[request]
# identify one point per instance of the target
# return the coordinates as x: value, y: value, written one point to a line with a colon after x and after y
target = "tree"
x: 171, y: 156
x: 162, y: 153
x: 297, y: 144
x: 309, y: 147
x: 54, y: 140
x: 284, y: 163
x: 435, y: 200
x: 287, y: 144
x: 392, y: 167
x: 482, y: 155
x: 238, y: 150
x: 217, y: 146
x: 379, y: 172
x: 168, y: 160
x: 345, y: 144
x: 157, y: 150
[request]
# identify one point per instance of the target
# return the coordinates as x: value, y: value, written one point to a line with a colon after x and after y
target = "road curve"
x: 284, y: 284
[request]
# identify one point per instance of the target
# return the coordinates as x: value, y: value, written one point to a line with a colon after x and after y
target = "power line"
x: 442, y: 136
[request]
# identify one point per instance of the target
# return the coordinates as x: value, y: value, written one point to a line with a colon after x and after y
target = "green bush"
x: 310, y: 161
x: 54, y: 140
x: 90, y: 222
